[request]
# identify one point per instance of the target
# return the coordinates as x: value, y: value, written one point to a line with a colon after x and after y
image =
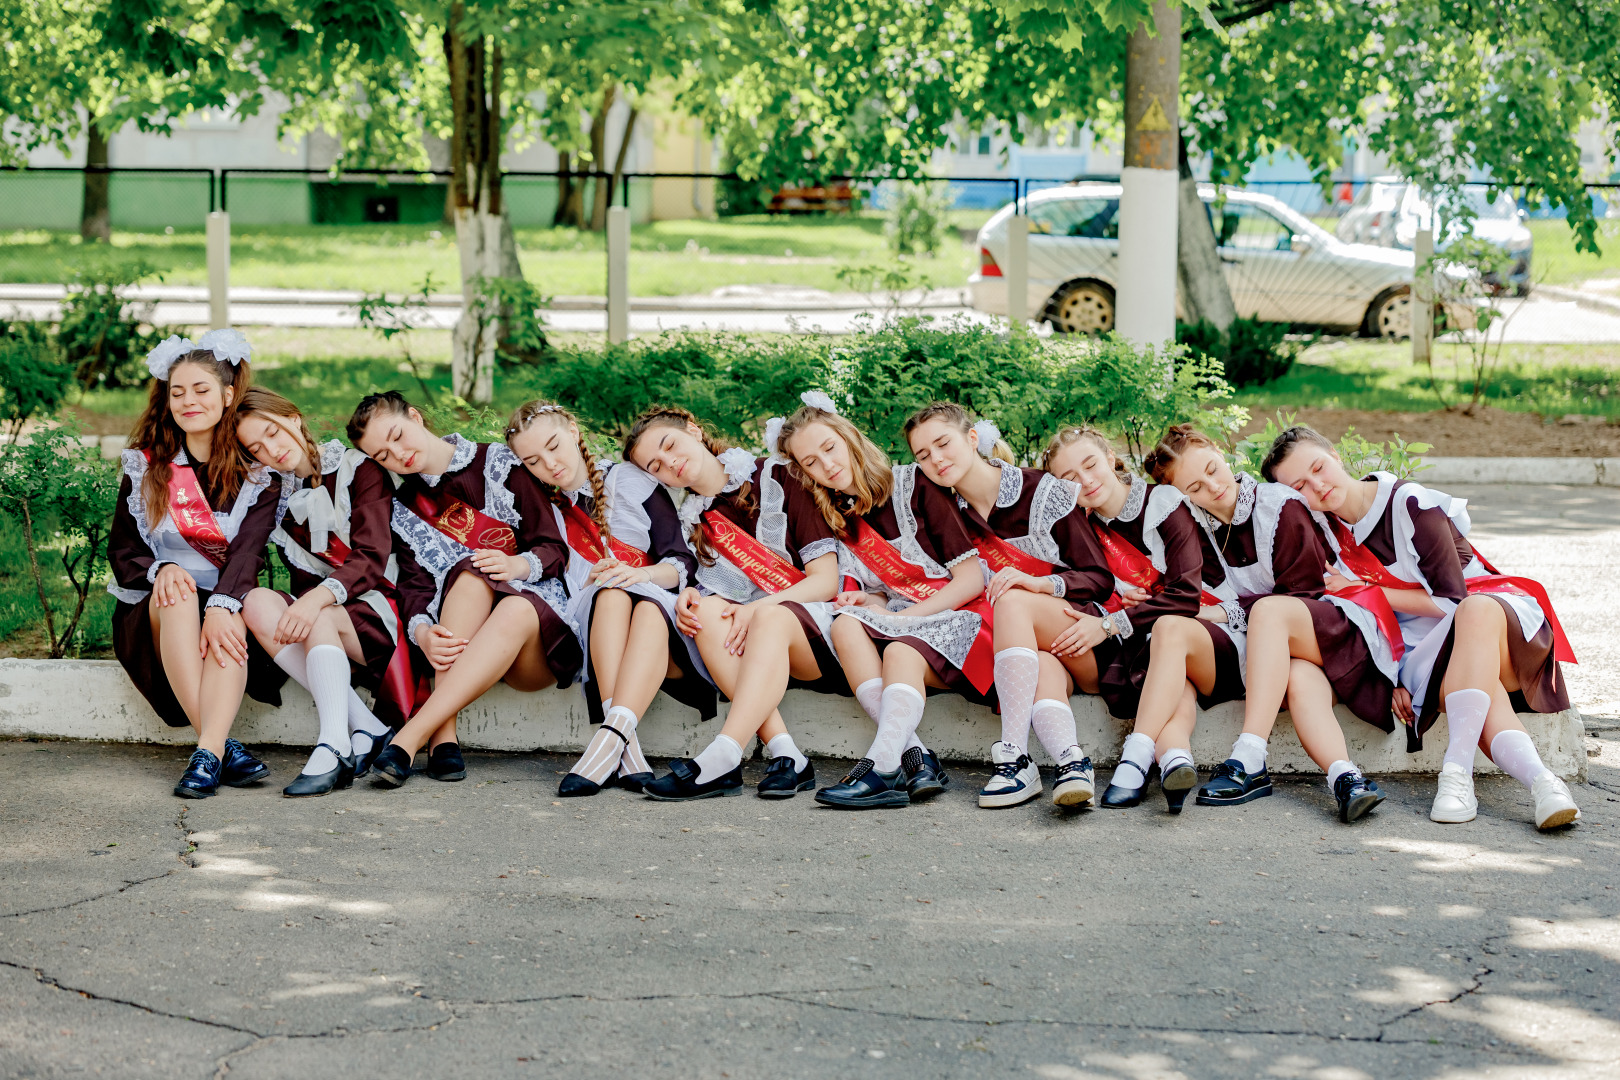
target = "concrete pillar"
x: 618, y: 274
x: 219, y: 270
x: 1145, y: 301
x: 1016, y: 272
x: 1422, y: 297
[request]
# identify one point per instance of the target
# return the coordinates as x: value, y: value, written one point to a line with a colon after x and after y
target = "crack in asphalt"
x: 125, y: 887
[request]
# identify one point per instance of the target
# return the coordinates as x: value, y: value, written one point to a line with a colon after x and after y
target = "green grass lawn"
x: 1556, y: 262
x: 668, y: 257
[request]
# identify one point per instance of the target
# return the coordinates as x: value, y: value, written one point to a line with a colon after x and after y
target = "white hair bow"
x: 773, y: 436
x: 226, y: 344
x: 986, y: 434
x: 818, y: 400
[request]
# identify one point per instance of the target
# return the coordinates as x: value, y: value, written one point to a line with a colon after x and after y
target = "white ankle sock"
x: 1338, y: 769
x: 606, y: 748
x: 1465, y: 720
x: 1053, y: 721
x: 1016, y: 671
x: 901, y: 713
x: 869, y: 695
x: 1516, y: 755
x: 1174, y: 758
x: 1250, y: 751
x: 718, y: 758
x: 1138, y: 751
x: 784, y: 746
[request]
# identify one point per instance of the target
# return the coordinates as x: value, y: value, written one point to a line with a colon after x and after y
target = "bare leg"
x: 466, y: 605
x: 1279, y: 630
x: 1310, y: 703
x: 1177, y: 732
x: 857, y: 652
x: 177, y: 631
x: 646, y: 660
x: 610, y: 631
x: 219, y: 699
x: 1180, y: 652
x: 1480, y: 661
x: 776, y: 648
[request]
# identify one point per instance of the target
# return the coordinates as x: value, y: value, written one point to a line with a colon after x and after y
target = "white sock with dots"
x: 1053, y: 721
x: 1516, y: 755
x: 1016, y: 672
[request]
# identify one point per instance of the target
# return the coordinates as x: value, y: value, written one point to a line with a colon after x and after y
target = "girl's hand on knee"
x: 224, y: 635
x: 1085, y: 634
x: 299, y: 618
x: 500, y: 566
x: 739, y: 616
x: 686, y: 606
x: 440, y: 646
x: 173, y: 585
x: 1010, y: 577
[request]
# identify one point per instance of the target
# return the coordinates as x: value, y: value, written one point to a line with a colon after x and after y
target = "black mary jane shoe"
x: 864, y: 788
x: 392, y: 767
x: 635, y: 782
x: 1356, y: 796
x: 305, y: 785
x: 681, y: 784
x: 445, y: 763
x: 1176, y: 784
x: 238, y: 768
x: 1230, y: 784
x: 575, y: 786
x: 1115, y: 797
x: 363, y: 762
x: 201, y: 778
x: 783, y: 781
x: 924, y: 776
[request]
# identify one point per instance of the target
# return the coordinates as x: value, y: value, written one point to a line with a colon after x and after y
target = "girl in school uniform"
x: 912, y: 612
x: 186, y: 544
x: 1044, y: 564
x: 1478, y: 645
x: 767, y: 565
x: 1168, y: 659
x: 481, y: 575
x: 340, y: 627
x: 1302, y: 645
x: 627, y: 559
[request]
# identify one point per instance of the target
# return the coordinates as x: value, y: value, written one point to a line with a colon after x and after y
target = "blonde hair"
x: 951, y: 413
x: 1161, y: 460
x: 869, y: 467
x: 1070, y: 435
x: 528, y: 413
x: 259, y: 401
x: 673, y: 416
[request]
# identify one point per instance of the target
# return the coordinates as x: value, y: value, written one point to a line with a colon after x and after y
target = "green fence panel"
x: 269, y: 200
x: 158, y: 200
x: 41, y: 200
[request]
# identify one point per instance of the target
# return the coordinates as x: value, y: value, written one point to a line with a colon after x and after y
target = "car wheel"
x: 1082, y: 307
x: 1391, y: 315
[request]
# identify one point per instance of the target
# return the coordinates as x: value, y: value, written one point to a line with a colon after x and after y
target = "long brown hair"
x: 959, y: 418
x: 1070, y: 435
x: 673, y: 416
x: 525, y: 415
x: 160, y: 437
x: 869, y: 466
x: 387, y: 403
x: 1161, y: 460
x: 260, y: 401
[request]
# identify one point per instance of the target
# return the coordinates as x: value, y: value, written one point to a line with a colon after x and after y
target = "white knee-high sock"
x: 327, y: 668
x: 1053, y: 721
x: 362, y: 720
x: 1016, y: 671
x: 1137, y: 752
x: 784, y: 746
x: 606, y: 747
x: 1516, y: 755
x: 869, y: 695
x: 718, y: 758
x: 901, y: 712
x: 1465, y: 720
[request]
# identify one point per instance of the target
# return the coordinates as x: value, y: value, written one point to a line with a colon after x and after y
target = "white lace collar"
x: 1012, y: 485
x: 1247, y: 488
x: 739, y: 465
x: 331, y: 456
x: 465, y: 449
x: 1134, y: 501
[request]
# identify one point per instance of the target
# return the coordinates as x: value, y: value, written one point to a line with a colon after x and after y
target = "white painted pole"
x: 618, y: 274
x: 1145, y: 303
x: 219, y: 270
x: 1016, y: 272
x: 1422, y: 297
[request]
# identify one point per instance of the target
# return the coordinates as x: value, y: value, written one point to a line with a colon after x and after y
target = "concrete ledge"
x: 93, y: 699
x: 1606, y: 305
x: 1520, y: 470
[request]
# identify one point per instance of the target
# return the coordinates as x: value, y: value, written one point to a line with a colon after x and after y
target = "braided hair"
x: 527, y: 414
x: 1287, y: 443
x: 673, y: 416
x: 1070, y: 435
x: 1161, y: 460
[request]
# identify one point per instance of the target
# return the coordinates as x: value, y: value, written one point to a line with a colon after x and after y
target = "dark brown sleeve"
x: 1298, y: 553
x: 1183, y: 573
x: 245, y: 557
x: 1087, y: 576
x: 665, y: 538
x: 416, y: 586
x: 537, y: 531
x: 1437, y: 542
x: 806, y: 525
x: 940, y: 529
x: 127, y: 554
x: 371, y: 500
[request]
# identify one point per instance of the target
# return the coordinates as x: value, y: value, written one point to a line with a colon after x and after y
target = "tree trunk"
x: 601, y: 194
x: 1145, y: 303
x: 95, y: 223
x: 565, y: 189
x: 1204, y: 292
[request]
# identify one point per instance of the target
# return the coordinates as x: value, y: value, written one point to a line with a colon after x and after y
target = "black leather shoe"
x: 1123, y: 798
x: 363, y: 762
x: 446, y: 763
x: 924, y: 776
x: 1357, y: 796
x: 392, y: 767
x: 308, y: 784
x: 1230, y: 785
x: 575, y: 786
x: 680, y: 784
x: 239, y: 768
x: 635, y: 781
x: 866, y: 789
x: 201, y: 778
x: 1176, y: 783
x: 783, y: 781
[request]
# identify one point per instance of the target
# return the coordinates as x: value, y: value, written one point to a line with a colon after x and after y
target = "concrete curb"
x: 94, y: 700
x: 1521, y: 470
x: 1606, y: 305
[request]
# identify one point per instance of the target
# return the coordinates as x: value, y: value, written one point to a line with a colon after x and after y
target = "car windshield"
x: 1096, y: 218
x: 1503, y: 209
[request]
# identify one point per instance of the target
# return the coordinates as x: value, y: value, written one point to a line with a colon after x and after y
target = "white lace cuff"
x: 337, y: 588
x: 1236, y: 618
x: 152, y: 571
x: 1121, y: 624
x: 970, y: 553
x: 816, y: 549
x: 1059, y: 589
x: 417, y: 621
x: 229, y: 603
x: 536, y: 571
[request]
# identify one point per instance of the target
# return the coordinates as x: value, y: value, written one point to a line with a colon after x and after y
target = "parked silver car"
x: 1280, y: 266
x: 1388, y: 210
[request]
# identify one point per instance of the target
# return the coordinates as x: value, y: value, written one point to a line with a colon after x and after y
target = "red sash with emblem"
x: 999, y: 555
x: 1365, y: 565
x: 908, y: 580
x: 1133, y: 567
x: 585, y: 538
x: 764, y: 567
x: 193, y: 517
x: 468, y: 527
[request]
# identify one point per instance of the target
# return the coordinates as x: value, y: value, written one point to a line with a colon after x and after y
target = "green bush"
x: 919, y: 219
x: 1250, y: 352
x: 101, y: 334
x: 33, y: 377
x: 1360, y: 456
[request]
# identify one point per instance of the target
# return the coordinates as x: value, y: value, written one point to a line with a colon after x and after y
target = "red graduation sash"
x: 999, y: 555
x: 193, y: 517
x: 468, y: 527
x: 764, y: 567
x: 909, y: 581
x: 585, y: 538
x: 1133, y: 567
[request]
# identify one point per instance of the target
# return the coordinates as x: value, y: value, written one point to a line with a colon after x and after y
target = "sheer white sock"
x: 1516, y: 755
x: 718, y: 758
x: 901, y: 713
x: 606, y: 747
x: 633, y: 760
x: 1174, y: 758
x: 784, y: 746
x: 1465, y: 720
x: 869, y: 695
x: 1053, y: 722
x: 1016, y: 671
x: 1137, y: 751
x: 1250, y: 751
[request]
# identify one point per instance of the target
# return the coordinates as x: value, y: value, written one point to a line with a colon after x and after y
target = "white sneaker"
x: 1454, y: 802
x: 1016, y: 779
x: 1072, y: 784
x: 1554, y: 806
